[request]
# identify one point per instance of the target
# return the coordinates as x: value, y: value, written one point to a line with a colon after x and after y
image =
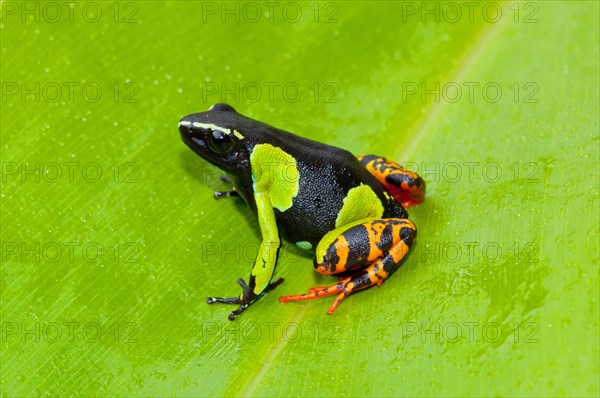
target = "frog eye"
x: 219, y: 141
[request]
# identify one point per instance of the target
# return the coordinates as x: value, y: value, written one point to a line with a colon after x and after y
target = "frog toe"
x: 233, y: 314
x: 230, y: 300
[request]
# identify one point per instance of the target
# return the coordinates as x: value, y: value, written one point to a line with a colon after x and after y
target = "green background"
x: 105, y: 276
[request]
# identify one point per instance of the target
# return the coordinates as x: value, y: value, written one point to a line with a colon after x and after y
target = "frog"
x: 350, y: 211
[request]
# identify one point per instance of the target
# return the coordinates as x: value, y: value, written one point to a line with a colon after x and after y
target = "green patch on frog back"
x: 360, y: 202
x: 275, y: 172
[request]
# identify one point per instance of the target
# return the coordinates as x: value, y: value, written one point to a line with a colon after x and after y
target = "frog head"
x: 216, y: 135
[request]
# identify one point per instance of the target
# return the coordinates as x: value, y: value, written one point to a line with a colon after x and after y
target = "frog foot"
x: 244, y: 300
x: 226, y: 194
x: 342, y: 288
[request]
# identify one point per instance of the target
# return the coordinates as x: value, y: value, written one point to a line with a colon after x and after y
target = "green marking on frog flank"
x: 361, y: 202
x: 274, y: 172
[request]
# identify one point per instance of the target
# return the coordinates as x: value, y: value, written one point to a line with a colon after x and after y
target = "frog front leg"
x: 373, y: 249
x: 264, y: 265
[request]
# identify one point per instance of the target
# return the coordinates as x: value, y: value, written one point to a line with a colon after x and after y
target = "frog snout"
x: 185, y: 128
x: 187, y: 132
x: 191, y: 136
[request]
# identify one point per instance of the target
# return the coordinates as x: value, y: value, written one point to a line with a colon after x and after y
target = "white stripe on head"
x: 212, y: 127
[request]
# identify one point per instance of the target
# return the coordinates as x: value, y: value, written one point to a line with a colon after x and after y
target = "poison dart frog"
x: 350, y: 210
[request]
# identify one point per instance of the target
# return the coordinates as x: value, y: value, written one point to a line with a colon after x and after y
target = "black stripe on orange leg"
x: 406, y: 233
x: 351, y: 250
x: 335, y: 259
x: 379, y: 238
x: 359, y: 247
x: 405, y: 186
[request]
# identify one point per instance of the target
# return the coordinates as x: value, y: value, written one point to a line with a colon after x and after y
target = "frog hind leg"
x: 372, y: 249
x: 405, y: 186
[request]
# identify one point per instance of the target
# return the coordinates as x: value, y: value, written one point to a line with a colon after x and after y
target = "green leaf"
x: 112, y: 241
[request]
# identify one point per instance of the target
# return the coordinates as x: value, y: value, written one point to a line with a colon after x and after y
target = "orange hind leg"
x: 371, y: 251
